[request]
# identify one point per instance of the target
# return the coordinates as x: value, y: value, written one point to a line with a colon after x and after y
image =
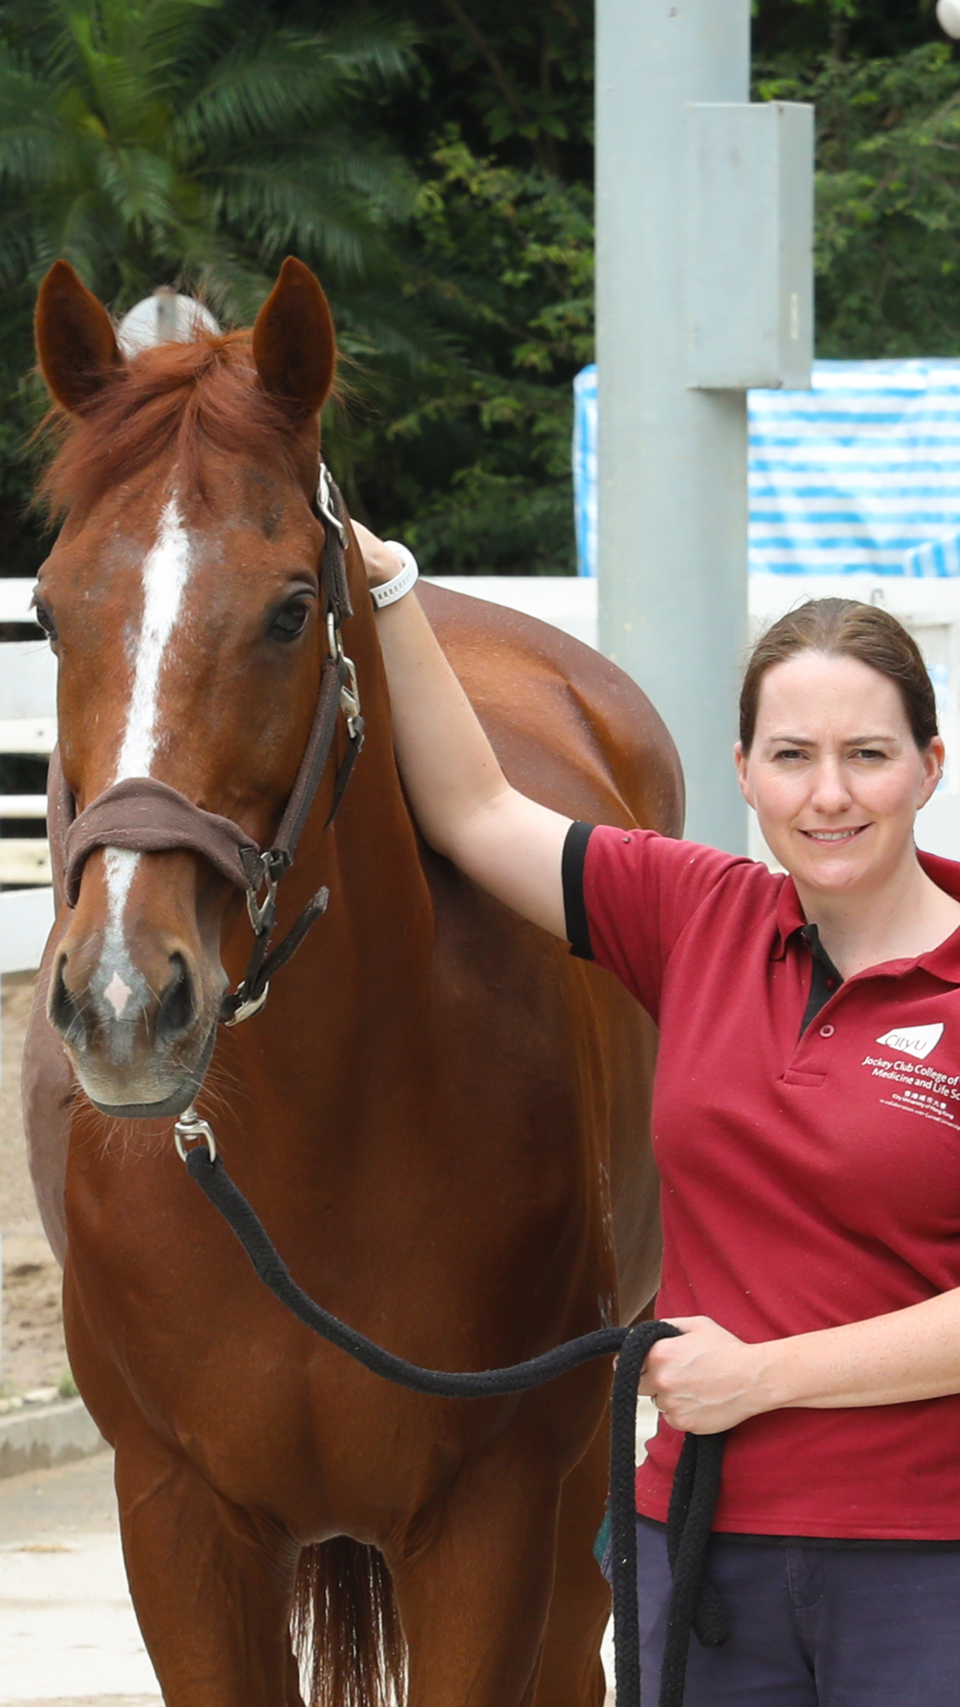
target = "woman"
x: 807, y: 1126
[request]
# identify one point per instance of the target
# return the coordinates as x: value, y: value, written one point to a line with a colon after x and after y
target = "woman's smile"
x: 834, y: 836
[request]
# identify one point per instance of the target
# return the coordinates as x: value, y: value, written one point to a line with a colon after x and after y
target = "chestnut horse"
x: 440, y: 1116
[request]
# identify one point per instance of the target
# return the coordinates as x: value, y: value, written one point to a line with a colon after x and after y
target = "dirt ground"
x: 32, y: 1352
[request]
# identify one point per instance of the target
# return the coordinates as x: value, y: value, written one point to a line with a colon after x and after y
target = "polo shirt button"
x: 827, y: 1030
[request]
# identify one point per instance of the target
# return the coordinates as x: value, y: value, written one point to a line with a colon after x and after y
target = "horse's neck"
x: 379, y: 873
x: 348, y: 1024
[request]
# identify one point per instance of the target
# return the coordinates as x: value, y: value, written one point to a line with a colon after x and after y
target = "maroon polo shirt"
x: 809, y: 1177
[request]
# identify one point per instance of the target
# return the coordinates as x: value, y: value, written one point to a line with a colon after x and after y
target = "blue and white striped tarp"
x: 939, y: 557
x: 585, y: 468
x: 862, y: 473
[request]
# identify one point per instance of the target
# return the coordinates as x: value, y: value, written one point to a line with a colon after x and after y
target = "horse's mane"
x: 193, y: 398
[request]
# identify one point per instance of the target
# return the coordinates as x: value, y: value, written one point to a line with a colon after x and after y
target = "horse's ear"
x: 293, y: 341
x: 75, y: 338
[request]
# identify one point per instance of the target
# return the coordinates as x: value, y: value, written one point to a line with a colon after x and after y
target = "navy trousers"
x: 813, y: 1626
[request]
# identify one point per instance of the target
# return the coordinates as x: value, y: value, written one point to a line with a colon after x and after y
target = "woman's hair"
x: 844, y: 628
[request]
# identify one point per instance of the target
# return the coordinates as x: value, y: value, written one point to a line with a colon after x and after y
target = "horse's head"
x: 184, y: 602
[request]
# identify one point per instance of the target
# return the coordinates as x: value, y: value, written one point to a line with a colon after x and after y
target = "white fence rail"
x: 28, y: 726
x: 930, y: 608
x: 26, y: 917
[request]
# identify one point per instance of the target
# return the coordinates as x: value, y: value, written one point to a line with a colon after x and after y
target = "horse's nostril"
x: 176, y: 1012
x: 64, y: 1013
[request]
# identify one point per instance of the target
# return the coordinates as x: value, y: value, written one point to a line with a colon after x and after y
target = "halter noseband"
x: 143, y: 815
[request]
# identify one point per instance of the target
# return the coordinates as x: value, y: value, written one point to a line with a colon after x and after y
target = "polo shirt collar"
x: 790, y: 917
x: 943, y: 961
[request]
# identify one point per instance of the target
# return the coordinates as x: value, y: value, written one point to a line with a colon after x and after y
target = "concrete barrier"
x: 41, y: 1436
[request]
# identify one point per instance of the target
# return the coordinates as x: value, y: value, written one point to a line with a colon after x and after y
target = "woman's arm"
x: 709, y: 1380
x: 460, y: 797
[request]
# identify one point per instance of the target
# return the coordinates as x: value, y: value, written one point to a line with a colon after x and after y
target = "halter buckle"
x: 325, y: 504
x: 190, y: 1130
x: 260, y: 913
x: 349, y: 687
x: 350, y: 698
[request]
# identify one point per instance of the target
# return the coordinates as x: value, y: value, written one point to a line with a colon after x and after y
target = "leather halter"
x: 144, y: 815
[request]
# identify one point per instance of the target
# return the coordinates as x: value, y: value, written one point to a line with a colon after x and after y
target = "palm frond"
x: 278, y: 85
x: 140, y: 186
x: 155, y: 141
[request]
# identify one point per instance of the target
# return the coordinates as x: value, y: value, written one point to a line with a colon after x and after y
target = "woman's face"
x: 834, y: 774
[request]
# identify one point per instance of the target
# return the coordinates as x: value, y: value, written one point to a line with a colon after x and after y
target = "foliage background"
x: 433, y: 161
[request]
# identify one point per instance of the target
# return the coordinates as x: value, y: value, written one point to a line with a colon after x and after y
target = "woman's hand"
x: 708, y: 1380
x: 705, y: 1381
x: 380, y: 562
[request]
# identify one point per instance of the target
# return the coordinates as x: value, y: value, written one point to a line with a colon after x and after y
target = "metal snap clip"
x: 189, y: 1131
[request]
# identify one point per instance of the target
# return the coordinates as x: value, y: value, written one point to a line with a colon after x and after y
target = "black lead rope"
x: 694, y: 1603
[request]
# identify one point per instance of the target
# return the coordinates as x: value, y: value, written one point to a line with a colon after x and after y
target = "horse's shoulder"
x: 47, y: 1082
x: 569, y: 727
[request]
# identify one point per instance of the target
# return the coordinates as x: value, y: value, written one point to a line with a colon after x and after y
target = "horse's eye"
x: 291, y: 620
x: 45, y: 620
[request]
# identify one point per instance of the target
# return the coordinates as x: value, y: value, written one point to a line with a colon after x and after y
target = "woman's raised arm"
x: 460, y: 797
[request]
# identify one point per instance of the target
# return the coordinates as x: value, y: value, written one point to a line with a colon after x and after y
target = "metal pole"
x: 672, y: 460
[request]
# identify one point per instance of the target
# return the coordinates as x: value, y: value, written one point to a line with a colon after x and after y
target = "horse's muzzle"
x: 138, y: 1013
x: 170, y: 1106
x: 129, y: 1067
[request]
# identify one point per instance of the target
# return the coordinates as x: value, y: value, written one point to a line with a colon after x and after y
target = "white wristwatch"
x: 391, y: 591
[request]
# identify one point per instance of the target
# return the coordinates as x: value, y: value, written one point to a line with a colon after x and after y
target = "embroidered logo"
x: 919, y: 1041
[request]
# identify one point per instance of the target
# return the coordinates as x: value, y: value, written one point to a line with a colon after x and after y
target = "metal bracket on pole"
x: 749, y: 190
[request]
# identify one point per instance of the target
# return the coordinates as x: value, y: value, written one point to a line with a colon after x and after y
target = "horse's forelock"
x: 198, y: 398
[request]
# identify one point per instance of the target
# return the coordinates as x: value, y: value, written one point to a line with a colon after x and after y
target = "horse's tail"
x: 346, y: 1628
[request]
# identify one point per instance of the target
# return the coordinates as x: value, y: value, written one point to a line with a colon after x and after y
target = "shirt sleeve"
x: 574, y: 905
x: 628, y: 895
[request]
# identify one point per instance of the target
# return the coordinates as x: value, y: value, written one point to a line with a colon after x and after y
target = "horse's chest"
x: 274, y: 1418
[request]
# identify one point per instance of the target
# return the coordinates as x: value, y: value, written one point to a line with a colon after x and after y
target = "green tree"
x: 481, y: 455
x: 886, y: 85
x: 864, y: 29
x: 438, y: 174
x: 152, y: 141
x: 159, y: 138
x: 469, y: 456
x: 516, y: 81
x: 435, y: 172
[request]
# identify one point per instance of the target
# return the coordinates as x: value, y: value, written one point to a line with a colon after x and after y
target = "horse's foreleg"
x: 473, y: 1582
x: 211, y: 1585
x: 571, y: 1674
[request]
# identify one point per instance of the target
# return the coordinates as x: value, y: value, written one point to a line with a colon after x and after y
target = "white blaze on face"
x: 166, y: 571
